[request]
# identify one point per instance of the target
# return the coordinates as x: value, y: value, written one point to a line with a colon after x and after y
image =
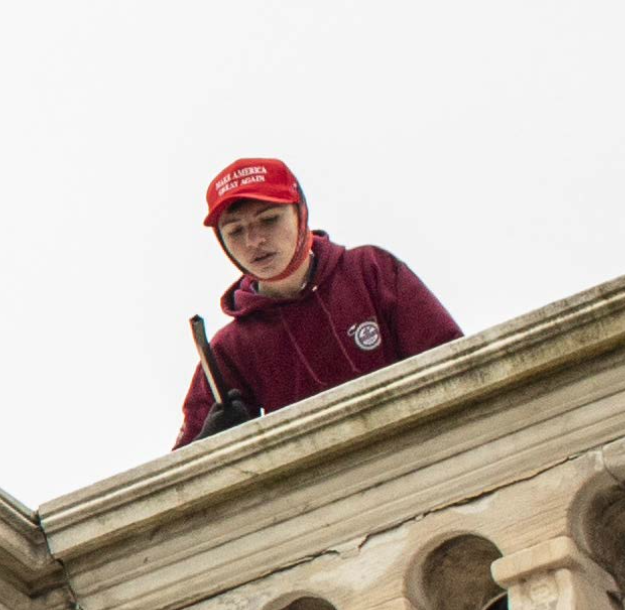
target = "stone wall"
x: 491, y: 466
x: 29, y: 577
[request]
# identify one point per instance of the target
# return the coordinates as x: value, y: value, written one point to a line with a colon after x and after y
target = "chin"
x: 265, y: 275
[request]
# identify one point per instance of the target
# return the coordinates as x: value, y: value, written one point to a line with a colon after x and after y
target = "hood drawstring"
x: 353, y: 366
x: 299, y: 352
x: 335, y: 333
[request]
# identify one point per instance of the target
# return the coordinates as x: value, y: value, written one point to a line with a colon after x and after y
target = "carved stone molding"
x: 30, y: 579
x: 340, y: 496
x: 403, y: 395
x: 554, y: 575
x: 453, y: 424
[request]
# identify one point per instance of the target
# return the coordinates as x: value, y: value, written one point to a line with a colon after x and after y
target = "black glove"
x: 221, y: 417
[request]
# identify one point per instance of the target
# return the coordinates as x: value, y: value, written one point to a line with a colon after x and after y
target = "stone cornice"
x: 403, y: 396
x: 28, y: 573
x: 21, y: 541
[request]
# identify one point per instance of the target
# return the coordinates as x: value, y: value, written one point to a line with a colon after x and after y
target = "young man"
x: 308, y: 314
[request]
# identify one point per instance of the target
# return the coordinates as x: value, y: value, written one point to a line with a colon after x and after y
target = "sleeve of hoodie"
x: 199, y: 399
x: 416, y: 318
x: 195, y: 408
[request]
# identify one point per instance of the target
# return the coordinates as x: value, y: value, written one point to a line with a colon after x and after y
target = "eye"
x: 269, y: 220
x: 234, y: 232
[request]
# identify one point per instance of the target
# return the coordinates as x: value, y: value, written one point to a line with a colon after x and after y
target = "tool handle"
x: 207, y: 360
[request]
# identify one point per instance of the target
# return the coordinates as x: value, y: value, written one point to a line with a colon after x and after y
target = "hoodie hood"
x: 241, y: 299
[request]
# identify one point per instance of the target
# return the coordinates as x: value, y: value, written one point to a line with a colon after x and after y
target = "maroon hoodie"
x: 362, y: 310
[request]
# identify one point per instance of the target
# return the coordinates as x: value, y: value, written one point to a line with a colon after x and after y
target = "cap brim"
x: 212, y: 219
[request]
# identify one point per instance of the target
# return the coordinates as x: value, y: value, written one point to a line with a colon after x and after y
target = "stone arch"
x: 300, y: 601
x: 455, y: 575
x: 597, y: 524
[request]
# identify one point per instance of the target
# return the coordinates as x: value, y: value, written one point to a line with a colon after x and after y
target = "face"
x: 260, y: 235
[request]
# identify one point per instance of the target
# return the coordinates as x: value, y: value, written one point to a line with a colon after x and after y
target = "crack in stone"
x: 249, y: 473
x: 270, y: 573
x: 335, y: 551
x: 68, y: 582
x: 468, y: 500
x: 301, y: 561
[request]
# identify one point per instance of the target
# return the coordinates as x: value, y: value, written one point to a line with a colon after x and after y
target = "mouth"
x: 263, y: 258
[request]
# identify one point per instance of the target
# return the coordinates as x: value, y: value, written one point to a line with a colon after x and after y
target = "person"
x: 308, y: 314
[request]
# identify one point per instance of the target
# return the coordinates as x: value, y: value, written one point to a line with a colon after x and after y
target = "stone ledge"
x: 224, y: 549
x: 23, y: 547
x: 403, y: 396
x: 27, y: 570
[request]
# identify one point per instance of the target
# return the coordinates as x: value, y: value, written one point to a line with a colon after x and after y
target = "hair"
x: 237, y: 205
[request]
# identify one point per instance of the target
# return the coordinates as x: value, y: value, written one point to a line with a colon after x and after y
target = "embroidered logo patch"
x: 366, y: 335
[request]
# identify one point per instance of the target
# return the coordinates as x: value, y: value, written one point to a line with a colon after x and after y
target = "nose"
x: 254, y: 236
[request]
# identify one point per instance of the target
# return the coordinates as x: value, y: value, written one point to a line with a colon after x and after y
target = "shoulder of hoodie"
x: 358, y: 254
x: 371, y: 255
x: 367, y: 259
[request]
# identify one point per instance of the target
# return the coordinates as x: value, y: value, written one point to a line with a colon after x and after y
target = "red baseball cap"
x: 264, y: 179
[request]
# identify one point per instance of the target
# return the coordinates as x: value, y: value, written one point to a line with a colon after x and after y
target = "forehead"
x: 244, y: 205
x: 245, y: 209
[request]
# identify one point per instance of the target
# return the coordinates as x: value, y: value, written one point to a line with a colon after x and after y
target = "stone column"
x: 555, y: 575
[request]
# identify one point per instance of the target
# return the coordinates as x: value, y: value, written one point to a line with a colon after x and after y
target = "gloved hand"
x: 221, y: 417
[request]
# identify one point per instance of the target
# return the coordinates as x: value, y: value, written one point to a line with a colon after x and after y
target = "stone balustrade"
x: 491, y: 466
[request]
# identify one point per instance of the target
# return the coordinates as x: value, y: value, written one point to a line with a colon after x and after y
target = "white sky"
x: 482, y: 142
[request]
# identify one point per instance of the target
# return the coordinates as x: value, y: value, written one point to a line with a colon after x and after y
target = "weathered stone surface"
x: 554, y: 574
x: 614, y: 457
x: 29, y: 577
x: 396, y: 491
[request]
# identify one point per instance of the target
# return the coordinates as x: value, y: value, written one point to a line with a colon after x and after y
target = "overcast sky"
x: 482, y: 142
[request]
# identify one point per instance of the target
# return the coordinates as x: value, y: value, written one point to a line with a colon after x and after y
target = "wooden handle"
x: 207, y: 359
